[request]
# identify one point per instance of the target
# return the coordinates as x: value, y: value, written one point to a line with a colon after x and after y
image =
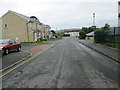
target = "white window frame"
x: 5, y: 26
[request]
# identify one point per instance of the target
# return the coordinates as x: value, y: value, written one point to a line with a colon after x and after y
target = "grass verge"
x: 38, y: 43
x: 89, y: 40
x: 114, y: 45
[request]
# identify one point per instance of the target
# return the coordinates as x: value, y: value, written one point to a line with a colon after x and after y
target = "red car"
x: 9, y: 45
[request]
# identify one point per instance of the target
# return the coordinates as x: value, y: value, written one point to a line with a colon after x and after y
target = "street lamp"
x: 93, y: 22
x: 93, y: 19
x: 93, y: 27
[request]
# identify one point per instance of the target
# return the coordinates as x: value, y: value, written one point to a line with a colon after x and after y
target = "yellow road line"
x: 18, y: 65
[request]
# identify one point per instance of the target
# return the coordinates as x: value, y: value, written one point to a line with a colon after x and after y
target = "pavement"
x: 107, y: 51
x: 69, y: 64
x: 39, y: 49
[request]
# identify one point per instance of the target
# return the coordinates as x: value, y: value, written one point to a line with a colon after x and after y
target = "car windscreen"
x: 4, y: 41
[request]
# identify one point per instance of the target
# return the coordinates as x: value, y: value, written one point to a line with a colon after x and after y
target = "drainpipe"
x: 27, y: 32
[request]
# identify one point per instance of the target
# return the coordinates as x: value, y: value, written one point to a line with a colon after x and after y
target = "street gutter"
x: 21, y: 61
x: 12, y: 65
x: 101, y: 52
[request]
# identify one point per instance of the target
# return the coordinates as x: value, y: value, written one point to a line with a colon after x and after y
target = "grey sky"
x: 63, y: 14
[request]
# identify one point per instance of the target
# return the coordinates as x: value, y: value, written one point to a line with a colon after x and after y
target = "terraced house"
x: 26, y: 29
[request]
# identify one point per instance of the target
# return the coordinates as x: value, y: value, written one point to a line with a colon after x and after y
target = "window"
x: 12, y: 41
x: 30, y: 25
x: 119, y: 15
x: 5, y: 25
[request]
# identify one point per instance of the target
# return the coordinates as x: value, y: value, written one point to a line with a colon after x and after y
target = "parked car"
x: 9, y: 45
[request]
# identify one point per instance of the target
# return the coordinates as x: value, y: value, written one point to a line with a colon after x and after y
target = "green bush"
x: 82, y: 35
x: 59, y: 35
x: 66, y: 35
x: 100, y: 36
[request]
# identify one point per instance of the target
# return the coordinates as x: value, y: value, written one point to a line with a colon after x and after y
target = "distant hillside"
x: 63, y: 30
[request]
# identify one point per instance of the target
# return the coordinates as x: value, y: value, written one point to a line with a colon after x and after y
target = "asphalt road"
x: 114, y: 53
x: 69, y: 64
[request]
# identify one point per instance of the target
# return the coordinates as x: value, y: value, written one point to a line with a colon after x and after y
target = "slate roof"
x: 90, y: 34
x: 18, y: 14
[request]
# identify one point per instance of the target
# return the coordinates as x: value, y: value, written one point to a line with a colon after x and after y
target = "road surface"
x: 69, y: 64
x: 14, y: 57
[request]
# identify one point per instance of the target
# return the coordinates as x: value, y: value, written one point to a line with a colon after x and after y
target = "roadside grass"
x: 89, y: 40
x: 113, y: 45
x: 38, y: 43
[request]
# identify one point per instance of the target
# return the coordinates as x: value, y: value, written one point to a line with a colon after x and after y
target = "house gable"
x: 17, y: 14
x: 17, y: 27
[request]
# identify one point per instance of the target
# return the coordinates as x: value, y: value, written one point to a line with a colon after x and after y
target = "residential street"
x: 69, y: 64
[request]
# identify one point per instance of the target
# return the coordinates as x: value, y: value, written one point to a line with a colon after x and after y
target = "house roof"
x: 90, y: 34
x: 18, y: 14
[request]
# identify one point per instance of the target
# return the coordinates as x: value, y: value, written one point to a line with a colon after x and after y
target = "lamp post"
x: 93, y: 22
x: 93, y: 19
x: 94, y: 27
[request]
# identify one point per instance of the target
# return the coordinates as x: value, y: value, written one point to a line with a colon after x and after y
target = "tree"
x: 106, y: 27
x: 59, y: 35
x: 82, y: 35
x: 90, y: 29
x: 53, y: 31
x: 87, y: 30
x: 84, y: 29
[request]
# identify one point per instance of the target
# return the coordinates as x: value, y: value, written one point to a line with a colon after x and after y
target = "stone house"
x: 17, y: 26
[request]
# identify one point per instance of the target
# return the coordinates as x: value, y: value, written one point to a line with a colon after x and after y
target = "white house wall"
x: 72, y: 34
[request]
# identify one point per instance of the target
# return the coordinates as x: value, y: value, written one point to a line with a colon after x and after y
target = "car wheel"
x: 6, y: 51
x: 19, y: 48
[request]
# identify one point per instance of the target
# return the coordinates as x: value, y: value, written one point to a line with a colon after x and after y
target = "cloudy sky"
x: 63, y: 14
